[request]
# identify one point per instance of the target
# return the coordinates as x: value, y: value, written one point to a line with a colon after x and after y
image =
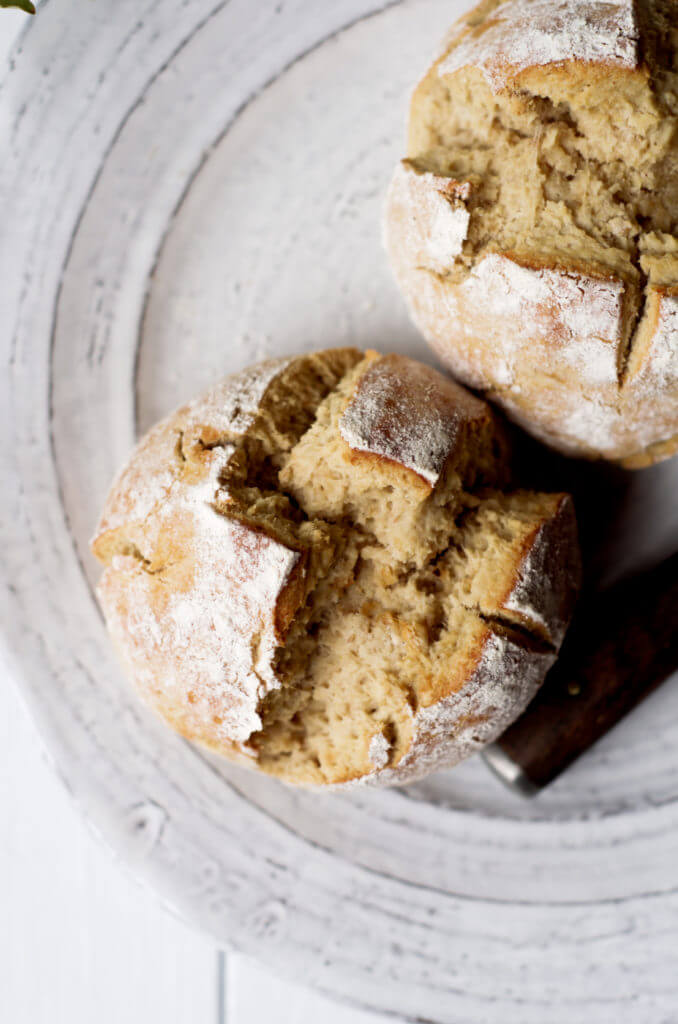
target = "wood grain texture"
x: 80, y: 940
x: 173, y: 217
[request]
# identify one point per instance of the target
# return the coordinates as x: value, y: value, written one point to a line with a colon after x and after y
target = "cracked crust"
x: 178, y: 534
x: 533, y: 228
x: 264, y: 608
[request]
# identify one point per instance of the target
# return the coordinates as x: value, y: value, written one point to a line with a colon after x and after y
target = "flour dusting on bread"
x: 527, y: 33
x: 406, y: 412
x: 323, y: 574
x: 550, y: 284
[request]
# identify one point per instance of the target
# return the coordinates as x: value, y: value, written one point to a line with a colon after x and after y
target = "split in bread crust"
x: 534, y: 226
x: 315, y: 569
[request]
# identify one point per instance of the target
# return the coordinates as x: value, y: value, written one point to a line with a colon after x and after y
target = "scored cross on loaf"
x: 319, y: 569
x: 533, y: 227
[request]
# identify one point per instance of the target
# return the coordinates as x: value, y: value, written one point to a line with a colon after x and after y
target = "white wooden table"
x: 80, y: 941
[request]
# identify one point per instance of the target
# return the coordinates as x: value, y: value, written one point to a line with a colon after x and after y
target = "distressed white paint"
x: 452, y: 901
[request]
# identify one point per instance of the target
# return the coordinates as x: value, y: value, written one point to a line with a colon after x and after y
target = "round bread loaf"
x: 533, y: 228
x: 316, y: 569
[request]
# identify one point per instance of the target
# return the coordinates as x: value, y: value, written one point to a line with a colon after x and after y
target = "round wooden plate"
x: 186, y: 187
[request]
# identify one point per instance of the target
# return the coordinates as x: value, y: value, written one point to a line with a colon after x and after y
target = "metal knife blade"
x: 622, y: 644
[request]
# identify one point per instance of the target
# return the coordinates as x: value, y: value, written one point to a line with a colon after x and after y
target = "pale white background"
x: 80, y: 941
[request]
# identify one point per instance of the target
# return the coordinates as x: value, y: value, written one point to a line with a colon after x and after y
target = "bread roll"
x: 533, y: 226
x: 316, y: 569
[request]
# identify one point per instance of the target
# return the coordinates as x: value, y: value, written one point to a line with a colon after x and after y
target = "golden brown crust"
x: 210, y: 576
x: 560, y: 305
x: 508, y: 38
x: 548, y: 343
x: 494, y: 684
x: 540, y: 575
x: 197, y: 593
x: 407, y: 414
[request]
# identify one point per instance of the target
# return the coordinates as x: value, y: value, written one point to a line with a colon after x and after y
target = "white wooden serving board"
x: 188, y: 186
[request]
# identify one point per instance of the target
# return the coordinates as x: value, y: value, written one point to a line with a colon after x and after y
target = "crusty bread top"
x: 534, y: 227
x: 398, y: 445
x: 499, y: 686
x: 538, y: 594
x: 177, y: 539
x: 325, y: 611
x: 158, y: 462
x: 433, y: 215
x: 518, y: 34
x: 408, y: 413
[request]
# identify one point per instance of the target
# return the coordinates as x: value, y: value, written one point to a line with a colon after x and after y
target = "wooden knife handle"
x: 622, y: 644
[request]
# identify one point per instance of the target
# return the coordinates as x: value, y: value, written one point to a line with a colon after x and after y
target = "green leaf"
x: 23, y: 5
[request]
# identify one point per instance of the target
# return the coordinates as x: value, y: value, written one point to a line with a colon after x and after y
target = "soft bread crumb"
x: 533, y: 226
x: 333, y: 607
x: 383, y: 454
